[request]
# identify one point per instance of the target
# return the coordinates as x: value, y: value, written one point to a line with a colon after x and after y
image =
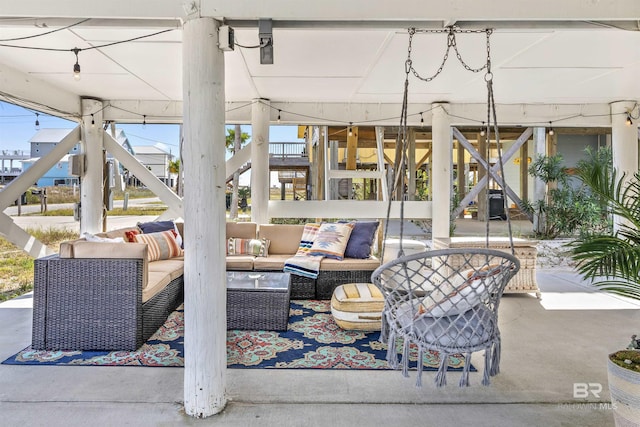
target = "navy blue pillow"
x: 155, y: 227
x: 361, y: 240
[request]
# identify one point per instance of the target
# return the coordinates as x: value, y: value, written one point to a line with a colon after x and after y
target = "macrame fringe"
x: 420, y: 362
x: 392, y: 352
x: 384, y: 330
x: 495, y: 359
x: 441, y: 376
x: 464, y: 379
x: 487, y: 366
x: 405, y: 358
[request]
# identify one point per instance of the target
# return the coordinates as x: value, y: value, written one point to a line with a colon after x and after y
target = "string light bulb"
x: 350, y: 129
x: 93, y: 122
x: 629, y: 121
x: 421, y: 119
x: 279, y: 111
x: 551, y: 131
x: 76, y: 66
x: 482, y: 131
x: 37, y: 121
x: 144, y: 121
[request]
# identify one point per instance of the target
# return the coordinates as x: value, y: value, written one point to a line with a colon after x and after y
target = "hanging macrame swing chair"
x: 443, y: 300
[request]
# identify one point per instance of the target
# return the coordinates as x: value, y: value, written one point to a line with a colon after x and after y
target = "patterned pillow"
x: 130, y: 236
x: 156, y: 226
x: 255, y: 247
x: 332, y: 240
x: 309, y: 234
x: 162, y: 245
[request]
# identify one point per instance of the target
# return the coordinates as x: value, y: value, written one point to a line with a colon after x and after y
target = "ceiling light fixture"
x: 76, y: 66
x: 551, y: 131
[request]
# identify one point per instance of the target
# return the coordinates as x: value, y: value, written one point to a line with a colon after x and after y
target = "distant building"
x: 46, y: 139
x: 156, y: 160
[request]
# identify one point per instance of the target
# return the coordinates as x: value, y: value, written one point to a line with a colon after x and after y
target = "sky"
x: 17, y: 127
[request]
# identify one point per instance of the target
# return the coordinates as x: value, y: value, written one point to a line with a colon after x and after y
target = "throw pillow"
x: 465, y: 293
x: 361, y: 240
x: 93, y: 238
x: 157, y: 226
x: 309, y: 234
x: 255, y: 247
x: 162, y: 245
x: 332, y: 240
x: 130, y: 236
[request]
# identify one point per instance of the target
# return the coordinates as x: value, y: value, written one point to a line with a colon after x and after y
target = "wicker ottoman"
x: 357, y: 306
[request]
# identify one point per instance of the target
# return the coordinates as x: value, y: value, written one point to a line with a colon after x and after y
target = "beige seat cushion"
x: 285, y: 238
x: 156, y: 282
x: 239, y: 262
x: 172, y: 267
x: 368, y: 264
x: 242, y: 230
x: 272, y: 262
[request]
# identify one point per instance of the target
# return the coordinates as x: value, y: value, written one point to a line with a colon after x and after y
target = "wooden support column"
x: 539, y: 188
x: 352, y: 148
x: 91, y: 190
x: 482, y: 173
x: 462, y: 179
x: 624, y: 144
x: 205, y: 321
x: 524, y: 171
x: 260, y: 113
x: 441, y: 178
x: 411, y: 165
x: 319, y: 160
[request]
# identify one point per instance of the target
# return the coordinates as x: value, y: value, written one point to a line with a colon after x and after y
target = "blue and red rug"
x: 312, y: 341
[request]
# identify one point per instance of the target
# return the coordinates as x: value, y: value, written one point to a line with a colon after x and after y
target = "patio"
x: 535, y: 386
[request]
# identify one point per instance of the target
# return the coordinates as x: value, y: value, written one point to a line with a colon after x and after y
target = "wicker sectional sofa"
x: 284, y: 241
x: 108, y: 296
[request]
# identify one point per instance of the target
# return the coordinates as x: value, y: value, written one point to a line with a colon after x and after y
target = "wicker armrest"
x: 87, y: 304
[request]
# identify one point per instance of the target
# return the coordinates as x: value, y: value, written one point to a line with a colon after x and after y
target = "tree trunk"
x: 237, y: 143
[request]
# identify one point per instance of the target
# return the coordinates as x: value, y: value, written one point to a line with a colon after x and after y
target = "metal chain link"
x: 451, y: 42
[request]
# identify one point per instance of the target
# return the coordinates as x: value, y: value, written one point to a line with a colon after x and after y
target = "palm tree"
x: 174, y: 168
x: 612, y: 259
x: 234, y: 141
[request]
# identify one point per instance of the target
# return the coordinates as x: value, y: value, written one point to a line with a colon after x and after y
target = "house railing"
x: 285, y: 150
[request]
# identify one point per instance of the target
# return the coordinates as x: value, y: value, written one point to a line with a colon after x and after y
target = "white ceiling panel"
x: 306, y: 89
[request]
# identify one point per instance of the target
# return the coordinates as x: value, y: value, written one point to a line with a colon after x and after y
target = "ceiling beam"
x: 32, y: 93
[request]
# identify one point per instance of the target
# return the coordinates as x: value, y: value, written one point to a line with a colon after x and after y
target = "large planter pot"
x: 624, y: 386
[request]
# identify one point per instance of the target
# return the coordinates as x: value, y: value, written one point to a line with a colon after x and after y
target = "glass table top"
x: 247, y: 280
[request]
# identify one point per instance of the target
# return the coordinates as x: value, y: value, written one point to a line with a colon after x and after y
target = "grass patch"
x: 135, y: 211
x: 16, y: 266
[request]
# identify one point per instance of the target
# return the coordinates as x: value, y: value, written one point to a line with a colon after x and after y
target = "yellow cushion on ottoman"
x: 357, y: 306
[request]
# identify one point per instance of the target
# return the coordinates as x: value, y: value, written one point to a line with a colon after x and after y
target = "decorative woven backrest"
x: 447, y: 299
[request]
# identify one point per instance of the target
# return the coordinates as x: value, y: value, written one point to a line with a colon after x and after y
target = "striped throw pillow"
x: 162, y: 245
x: 255, y: 247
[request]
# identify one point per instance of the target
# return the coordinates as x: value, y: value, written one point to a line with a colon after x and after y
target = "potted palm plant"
x: 611, y: 259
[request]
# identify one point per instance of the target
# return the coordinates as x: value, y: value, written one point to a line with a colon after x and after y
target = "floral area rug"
x: 313, y: 341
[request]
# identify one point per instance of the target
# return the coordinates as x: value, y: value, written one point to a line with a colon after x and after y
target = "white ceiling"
x: 317, y: 64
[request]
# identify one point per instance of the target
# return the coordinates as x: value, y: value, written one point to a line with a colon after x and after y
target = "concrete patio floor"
x: 548, y: 345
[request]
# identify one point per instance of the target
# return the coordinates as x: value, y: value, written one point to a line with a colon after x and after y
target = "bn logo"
x: 582, y: 390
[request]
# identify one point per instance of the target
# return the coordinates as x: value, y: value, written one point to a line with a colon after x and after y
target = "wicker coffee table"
x: 258, y: 301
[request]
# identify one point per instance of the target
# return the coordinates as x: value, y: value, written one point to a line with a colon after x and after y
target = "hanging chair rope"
x: 443, y: 301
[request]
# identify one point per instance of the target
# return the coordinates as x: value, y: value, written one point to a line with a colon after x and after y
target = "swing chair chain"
x: 451, y: 42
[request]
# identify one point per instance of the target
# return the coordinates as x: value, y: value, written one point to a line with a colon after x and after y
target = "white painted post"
x: 441, y: 171
x: 91, y: 191
x: 539, y: 187
x: 205, y: 340
x: 624, y: 143
x: 260, y: 114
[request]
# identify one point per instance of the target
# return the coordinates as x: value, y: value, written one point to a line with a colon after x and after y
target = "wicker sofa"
x: 102, y: 296
x: 284, y: 242
x: 106, y: 296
